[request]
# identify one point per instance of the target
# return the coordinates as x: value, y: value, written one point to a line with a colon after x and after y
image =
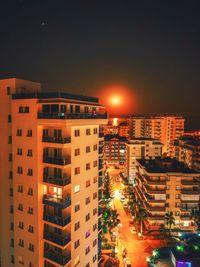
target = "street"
x: 137, y: 250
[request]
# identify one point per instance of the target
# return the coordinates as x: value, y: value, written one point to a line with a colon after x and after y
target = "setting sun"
x: 116, y: 100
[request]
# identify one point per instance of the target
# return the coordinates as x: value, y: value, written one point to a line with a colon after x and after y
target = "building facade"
x: 165, y: 185
x: 140, y: 148
x: 51, y: 171
x: 115, y: 149
x: 165, y: 128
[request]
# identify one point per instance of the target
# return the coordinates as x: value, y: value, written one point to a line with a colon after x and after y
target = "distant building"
x: 165, y: 128
x: 117, y: 126
x: 165, y: 185
x: 187, y: 150
x: 124, y: 129
x: 115, y: 149
x: 139, y: 148
x: 50, y: 177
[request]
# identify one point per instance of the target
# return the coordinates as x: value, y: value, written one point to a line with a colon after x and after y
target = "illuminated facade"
x: 139, y: 148
x: 165, y: 185
x: 165, y: 128
x: 51, y: 171
x: 117, y: 126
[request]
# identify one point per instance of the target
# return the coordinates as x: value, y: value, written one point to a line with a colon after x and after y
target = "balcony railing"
x: 156, y: 217
x: 192, y: 191
x: 190, y: 182
x: 57, y: 180
x: 57, y: 202
x: 58, y: 239
x: 57, y: 161
x: 57, y: 257
x: 154, y: 190
x: 57, y: 140
x: 69, y: 116
x: 57, y: 220
x: 155, y: 208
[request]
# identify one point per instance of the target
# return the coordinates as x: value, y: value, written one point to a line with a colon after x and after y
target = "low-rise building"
x: 139, y: 148
x: 166, y: 185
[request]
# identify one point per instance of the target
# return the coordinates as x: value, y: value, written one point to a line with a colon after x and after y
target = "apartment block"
x: 51, y: 171
x: 187, y: 150
x: 140, y: 148
x: 115, y: 149
x: 117, y: 126
x: 165, y: 185
x: 165, y: 128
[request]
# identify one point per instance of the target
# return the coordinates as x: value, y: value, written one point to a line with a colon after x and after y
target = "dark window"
x: 9, y: 118
x: 63, y: 108
x: 55, y: 108
x: 9, y: 139
x: 77, y: 109
x: 45, y: 108
x: 71, y: 109
x: 29, y: 133
x: 8, y: 90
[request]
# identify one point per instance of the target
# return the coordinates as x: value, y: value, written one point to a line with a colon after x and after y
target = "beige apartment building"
x: 165, y: 185
x: 165, y: 128
x: 51, y: 166
x: 140, y: 148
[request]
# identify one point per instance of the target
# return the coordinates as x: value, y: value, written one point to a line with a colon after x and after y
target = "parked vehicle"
x: 133, y: 230
x: 127, y: 262
x: 122, y: 198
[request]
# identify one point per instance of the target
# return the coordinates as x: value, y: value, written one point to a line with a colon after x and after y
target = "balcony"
x: 57, y: 257
x: 154, y: 190
x: 71, y: 116
x: 156, y: 217
x: 190, y: 182
x: 155, y: 208
x: 57, y: 202
x: 57, y: 220
x: 57, y: 239
x: 57, y: 161
x: 190, y: 191
x: 57, y: 140
x: 101, y: 134
x: 57, y: 180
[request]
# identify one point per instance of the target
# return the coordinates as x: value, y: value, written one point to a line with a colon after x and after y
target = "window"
x: 30, y: 191
x: 19, y: 170
x: 76, y: 226
x: 8, y: 90
x: 9, y: 118
x: 87, y: 166
x: 87, y: 265
x: 30, y: 229
x: 178, y: 187
x: 20, y: 189
x: 94, y: 257
x: 87, y: 131
x: 87, y: 149
x: 31, y: 247
x: 94, y: 227
x: 76, y: 188
x: 87, y: 200
x: 76, y: 243
x: 77, y: 170
x: 94, y: 242
x: 19, y: 151
x: 77, y: 207
x: 77, y: 152
x: 21, y: 225
x: 95, y: 147
x: 30, y: 210
x: 76, y: 261
x: 29, y: 153
x: 177, y: 196
x: 11, y: 226
x: 19, y: 132
x: 10, y: 174
x: 87, y: 250
x: 95, y: 211
x: 30, y: 172
x: 29, y: 133
x: 12, y: 259
x: 23, y: 109
x: 77, y: 132
x: 20, y: 207
x: 21, y: 242
x: 9, y: 139
x: 95, y: 130
x: 87, y: 234
x: 12, y: 242
x: 11, y: 209
x: 95, y: 163
x: 10, y: 157
x: 87, y: 217
x: 21, y: 260
x: 87, y: 183
x: 95, y: 195
x: 11, y: 192
x: 95, y: 179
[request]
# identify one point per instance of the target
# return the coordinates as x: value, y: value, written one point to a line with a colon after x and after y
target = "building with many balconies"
x: 51, y: 175
x: 165, y: 185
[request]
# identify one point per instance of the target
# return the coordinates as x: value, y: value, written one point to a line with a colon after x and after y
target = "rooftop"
x: 143, y: 139
x: 165, y: 165
x: 109, y: 137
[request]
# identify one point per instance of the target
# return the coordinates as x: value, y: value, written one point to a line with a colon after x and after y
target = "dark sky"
x: 151, y: 47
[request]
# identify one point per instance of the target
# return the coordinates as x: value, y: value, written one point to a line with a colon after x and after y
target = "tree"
x: 141, y: 217
x: 195, y: 216
x: 113, y: 220
x: 106, y: 187
x: 170, y: 220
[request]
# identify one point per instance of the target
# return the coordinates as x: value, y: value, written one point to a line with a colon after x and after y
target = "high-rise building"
x: 187, y: 149
x: 51, y: 169
x: 165, y: 128
x: 140, y: 148
x: 167, y: 185
x: 117, y: 126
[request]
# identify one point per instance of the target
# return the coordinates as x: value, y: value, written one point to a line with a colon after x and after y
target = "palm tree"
x: 170, y: 220
x: 141, y: 217
x: 107, y: 187
x: 195, y: 216
x: 113, y: 220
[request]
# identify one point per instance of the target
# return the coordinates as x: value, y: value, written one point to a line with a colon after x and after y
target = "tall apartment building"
x: 51, y: 167
x: 115, y: 149
x: 117, y: 126
x: 165, y: 185
x: 187, y: 150
x: 165, y: 128
x: 140, y: 148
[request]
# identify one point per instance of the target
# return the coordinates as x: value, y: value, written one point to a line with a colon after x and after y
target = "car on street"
x: 127, y: 262
x: 133, y: 230
x: 122, y: 198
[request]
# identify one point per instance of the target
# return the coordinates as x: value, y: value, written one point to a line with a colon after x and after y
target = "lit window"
x: 76, y: 188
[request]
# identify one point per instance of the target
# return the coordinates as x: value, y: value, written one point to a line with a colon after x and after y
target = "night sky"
x: 151, y: 47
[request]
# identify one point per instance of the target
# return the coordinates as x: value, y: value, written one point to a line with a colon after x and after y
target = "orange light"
x: 115, y: 121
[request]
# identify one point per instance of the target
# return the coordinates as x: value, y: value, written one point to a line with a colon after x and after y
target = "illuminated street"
x: 137, y: 250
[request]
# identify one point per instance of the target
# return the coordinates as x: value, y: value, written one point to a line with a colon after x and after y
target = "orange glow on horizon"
x: 118, y: 99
